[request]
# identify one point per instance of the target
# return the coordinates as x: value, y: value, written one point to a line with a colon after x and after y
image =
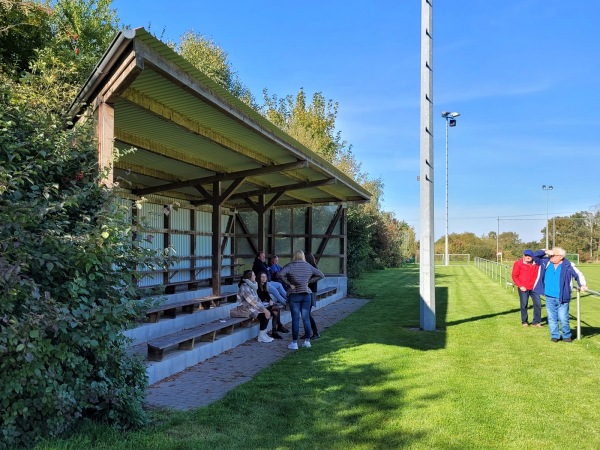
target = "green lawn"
x: 372, y: 382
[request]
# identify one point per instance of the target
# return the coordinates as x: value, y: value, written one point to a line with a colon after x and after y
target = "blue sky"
x: 523, y: 74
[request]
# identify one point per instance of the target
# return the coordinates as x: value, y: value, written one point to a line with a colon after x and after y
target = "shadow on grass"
x: 340, y: 402
x: 392, y: 317
x: 483, y: 317
x: 587, y: 330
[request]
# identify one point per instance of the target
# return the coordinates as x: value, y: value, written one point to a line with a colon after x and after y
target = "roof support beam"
x: 261, y: 207
x: 284, y: 189
x: 222, y: 177
x: 329, y: 232
x: 171, y: 153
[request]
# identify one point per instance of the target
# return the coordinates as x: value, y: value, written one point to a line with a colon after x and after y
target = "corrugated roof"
x: 187, y: 127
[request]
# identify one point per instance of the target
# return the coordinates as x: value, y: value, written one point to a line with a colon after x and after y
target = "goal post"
x: 573, y: 257
x: 454, y: 259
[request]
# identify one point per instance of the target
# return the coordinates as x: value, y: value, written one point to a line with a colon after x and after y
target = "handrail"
x: 579, y: 308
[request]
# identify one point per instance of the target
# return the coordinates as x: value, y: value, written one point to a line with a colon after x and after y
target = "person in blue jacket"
x: 554, y: 281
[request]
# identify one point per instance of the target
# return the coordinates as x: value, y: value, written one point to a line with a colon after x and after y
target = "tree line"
x: 577, y: 233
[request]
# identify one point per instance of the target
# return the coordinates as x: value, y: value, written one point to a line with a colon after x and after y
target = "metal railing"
x: 497, y: 271
x: 503, y: 273
x: 589, y: 291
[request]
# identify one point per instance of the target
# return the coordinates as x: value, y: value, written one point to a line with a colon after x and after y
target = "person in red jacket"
x: 524, y: 274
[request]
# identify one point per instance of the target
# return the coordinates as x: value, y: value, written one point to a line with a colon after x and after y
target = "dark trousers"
x: 537, y: 306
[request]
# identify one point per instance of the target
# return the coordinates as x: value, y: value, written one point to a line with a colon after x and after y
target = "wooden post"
x: 105, y: 132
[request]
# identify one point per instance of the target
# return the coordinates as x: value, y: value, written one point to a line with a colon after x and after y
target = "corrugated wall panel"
x: 180, y: 220
x: 203, y: 245
x: 227, y: 262
x: 152, y: 215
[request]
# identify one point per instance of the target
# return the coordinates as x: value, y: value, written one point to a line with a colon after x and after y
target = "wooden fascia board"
x: 120, y: 80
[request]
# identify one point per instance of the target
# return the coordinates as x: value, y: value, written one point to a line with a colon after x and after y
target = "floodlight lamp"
x: 445, y: 114
x: 454, y: 114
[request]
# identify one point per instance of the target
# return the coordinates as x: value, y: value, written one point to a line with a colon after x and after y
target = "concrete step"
x: 175, y: 360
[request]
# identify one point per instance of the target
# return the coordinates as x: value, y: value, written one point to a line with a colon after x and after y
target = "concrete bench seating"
x: 186, y: 339
x: 327, y: 292
x: 169, y: 310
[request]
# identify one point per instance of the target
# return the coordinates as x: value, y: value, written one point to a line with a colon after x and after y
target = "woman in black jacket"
x: 265, y: 297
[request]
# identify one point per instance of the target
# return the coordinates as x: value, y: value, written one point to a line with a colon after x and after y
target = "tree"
x: 24, y: 28
x: 68, y: 260
x: 208, y: 57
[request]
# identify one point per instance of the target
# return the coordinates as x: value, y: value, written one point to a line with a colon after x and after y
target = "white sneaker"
x: 293, y: 346
x: 264, y: 337
x: 306, y: 344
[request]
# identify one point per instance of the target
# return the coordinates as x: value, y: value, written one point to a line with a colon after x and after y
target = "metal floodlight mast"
x: 450, y: 122
x: 547, y: 189
x: 426, y: 267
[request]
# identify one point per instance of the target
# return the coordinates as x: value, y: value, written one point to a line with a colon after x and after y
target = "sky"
x: 523, y: 74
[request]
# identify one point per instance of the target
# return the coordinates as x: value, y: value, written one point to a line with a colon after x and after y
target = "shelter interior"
x: 213, y: 179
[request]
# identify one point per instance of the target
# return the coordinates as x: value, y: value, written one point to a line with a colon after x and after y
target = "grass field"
x: 373, y: 382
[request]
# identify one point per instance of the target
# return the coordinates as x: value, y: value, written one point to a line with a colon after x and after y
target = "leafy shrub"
x: 67, y: 281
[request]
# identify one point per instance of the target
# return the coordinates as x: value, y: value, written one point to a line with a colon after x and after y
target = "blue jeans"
x: 300, y: 305
x: 537, y: 306
x: 277, y: 291
x: 558, y: 312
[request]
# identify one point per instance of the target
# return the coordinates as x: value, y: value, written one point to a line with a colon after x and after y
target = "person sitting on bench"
x: 248, y: 296
x: 274, y: 268
x: 263, y: 294
x: 276, y: 289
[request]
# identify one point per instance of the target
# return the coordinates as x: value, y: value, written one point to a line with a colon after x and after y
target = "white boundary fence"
x: 454, y: 259
x: 503, y: 273
x: 497, y: 271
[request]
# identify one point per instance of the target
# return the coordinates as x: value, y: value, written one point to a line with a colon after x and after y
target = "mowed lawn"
x: 374, y: 382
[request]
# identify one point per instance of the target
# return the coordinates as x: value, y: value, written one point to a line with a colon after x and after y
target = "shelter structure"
x: 214, y: 179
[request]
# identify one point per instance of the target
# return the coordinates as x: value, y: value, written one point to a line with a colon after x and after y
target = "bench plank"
x: 327, y: 292
x: 169, y: 310
x: 186, y: 339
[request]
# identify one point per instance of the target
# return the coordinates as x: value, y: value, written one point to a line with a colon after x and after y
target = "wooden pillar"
x: 344, y: 245
x: 105, y: 133
x: 261, y: 223
x: 216, y: 238
x: 309, y: 230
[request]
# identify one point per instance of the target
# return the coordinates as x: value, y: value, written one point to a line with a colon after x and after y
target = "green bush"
x: 67, y: 281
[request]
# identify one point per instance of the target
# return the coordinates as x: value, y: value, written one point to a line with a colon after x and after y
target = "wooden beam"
x: 120, y: 80
x: 222, y: 177
x: 105, y: 128
x: 329, y: 231
x: 285, y: 188
x: 246, y: 232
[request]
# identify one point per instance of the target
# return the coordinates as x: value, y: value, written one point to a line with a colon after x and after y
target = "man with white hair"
x: 554, y: 281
